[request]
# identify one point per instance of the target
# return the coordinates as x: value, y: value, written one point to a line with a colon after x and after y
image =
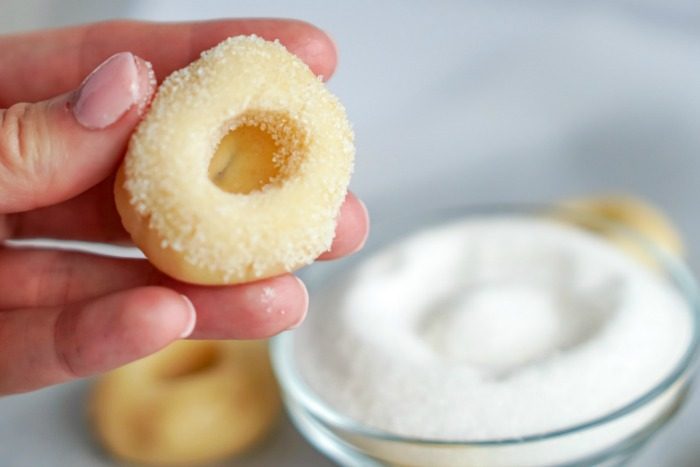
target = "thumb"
x: 53, y: 150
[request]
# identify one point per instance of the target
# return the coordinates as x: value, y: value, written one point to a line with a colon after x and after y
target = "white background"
x: 458, y: 103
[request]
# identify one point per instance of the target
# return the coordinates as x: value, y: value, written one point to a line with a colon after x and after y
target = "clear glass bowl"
x: 608, y: 440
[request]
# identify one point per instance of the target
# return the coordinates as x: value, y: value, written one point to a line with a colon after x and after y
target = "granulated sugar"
x: 491, y: 328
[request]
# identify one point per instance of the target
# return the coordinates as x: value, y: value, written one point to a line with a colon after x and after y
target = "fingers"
x: 38, y: 139
x: 32, y: 278
x: 52, y: 150
x: 62, y: 57
x: 92, y: 216
x: 53, y: 345
x: 247, y: 311
x: 351, y: 231
x: 45, y: 278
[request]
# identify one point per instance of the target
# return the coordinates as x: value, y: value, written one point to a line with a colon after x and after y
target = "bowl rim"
x: 679, y: 275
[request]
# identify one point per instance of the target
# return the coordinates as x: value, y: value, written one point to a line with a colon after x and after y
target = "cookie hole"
x: 196, y: 361
x: 258, y: 151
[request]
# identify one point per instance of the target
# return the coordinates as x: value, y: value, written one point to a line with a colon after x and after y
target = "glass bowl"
x: 607, y: 440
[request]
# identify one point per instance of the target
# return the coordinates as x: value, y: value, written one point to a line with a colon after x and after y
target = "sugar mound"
x: 491, y: 328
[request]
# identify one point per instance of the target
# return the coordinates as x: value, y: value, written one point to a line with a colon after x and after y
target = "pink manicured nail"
x: 192, y: 320
x: 108, y: 92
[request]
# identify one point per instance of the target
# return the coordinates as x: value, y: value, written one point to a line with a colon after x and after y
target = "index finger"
x: 41, y: 64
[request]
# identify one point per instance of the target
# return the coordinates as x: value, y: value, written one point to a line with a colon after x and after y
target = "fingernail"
x: 306, y: 305
x: 108, y: 92
x: 192, y: 319
x: 364, y: 240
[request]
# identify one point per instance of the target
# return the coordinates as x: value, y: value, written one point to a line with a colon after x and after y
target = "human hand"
x: 64, y: 314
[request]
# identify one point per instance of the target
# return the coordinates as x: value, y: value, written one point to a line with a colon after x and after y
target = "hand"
x: 63, y: 314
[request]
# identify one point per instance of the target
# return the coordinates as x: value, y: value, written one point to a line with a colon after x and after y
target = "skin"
x: 64, y: 314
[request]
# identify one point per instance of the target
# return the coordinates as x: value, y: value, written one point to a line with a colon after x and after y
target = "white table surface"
x: 454, y: 103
